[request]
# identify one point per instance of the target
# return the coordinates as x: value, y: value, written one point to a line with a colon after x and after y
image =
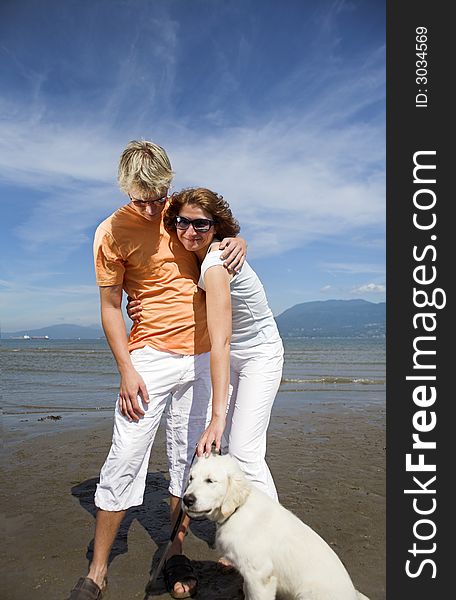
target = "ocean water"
x: 353, y: 367
x: 69, y: 377
x: 57, y: 375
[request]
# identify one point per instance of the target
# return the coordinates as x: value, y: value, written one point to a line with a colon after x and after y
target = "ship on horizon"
x: 30, y: 337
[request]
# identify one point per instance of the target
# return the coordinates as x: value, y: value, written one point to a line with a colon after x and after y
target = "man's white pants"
x: 184, y: 382
x: 255, y: 377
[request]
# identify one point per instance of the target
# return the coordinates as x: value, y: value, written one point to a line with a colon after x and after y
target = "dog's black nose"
x: 189, y: 499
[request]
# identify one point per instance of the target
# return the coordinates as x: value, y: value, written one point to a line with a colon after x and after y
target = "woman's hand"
x: 134, y: 309
x: 132, y: 388
x: 212, y: 435
x: 235, y: 251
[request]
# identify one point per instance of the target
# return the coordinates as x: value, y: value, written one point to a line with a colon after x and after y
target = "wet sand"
x: 328, y: 461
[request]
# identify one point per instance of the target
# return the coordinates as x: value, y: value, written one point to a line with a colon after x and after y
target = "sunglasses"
x: 199, y: 225
x: 143, y: 203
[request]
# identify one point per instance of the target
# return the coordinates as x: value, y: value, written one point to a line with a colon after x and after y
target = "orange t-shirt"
x: 154, y: 267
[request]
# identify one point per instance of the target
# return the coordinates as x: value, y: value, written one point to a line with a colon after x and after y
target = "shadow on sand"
x: 153, y: 515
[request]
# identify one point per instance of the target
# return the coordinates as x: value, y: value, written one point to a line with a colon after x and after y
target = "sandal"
x: 87, y: 589
x: 178, y: 569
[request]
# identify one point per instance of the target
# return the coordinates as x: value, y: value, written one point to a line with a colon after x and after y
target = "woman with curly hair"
x: 246, y: 349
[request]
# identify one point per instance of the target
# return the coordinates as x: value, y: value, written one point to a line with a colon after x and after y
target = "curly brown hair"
x: 225, y: 224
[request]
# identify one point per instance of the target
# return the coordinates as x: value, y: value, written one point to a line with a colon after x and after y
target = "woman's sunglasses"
x: 200, y: 225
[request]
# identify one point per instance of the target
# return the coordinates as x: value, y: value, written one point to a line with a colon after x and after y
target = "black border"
x: 411, y: 129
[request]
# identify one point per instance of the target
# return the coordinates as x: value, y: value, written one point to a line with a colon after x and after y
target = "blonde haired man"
x: 166, y: 356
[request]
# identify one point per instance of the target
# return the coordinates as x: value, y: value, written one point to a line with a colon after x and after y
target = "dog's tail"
x: 361, y: 596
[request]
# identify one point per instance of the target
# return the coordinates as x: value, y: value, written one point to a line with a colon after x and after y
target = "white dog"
x: 273, y: 550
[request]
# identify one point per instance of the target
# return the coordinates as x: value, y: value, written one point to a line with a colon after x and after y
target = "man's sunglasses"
x: 143, y: 203
x: 200, y: 225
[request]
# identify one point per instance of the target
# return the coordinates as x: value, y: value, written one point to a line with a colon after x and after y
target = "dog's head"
x: 216, y: 488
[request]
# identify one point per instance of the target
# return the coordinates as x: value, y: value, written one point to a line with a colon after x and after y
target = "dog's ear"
x: 236, y: 494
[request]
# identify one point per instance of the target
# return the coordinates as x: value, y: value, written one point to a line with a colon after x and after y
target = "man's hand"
x: 132, y: 390
x: 131, y: 382
x: 235, y: 251
x: 134, y: 309
x: 213, y: 434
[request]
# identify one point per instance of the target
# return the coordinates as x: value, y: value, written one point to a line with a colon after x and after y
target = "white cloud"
x: 285, y: 187
x: 292, y: 175
x: 31, y: 306
x: 353, y: 268
x: 369, y: 288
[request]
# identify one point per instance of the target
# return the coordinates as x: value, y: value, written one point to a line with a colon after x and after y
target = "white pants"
x: 185, y: 382
x: 255, y: 378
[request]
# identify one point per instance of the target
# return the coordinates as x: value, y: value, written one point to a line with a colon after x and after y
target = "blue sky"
x: 279, y: 106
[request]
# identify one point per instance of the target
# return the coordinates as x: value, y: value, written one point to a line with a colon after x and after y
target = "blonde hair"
x: 144, y: 166
x: 225, y: 224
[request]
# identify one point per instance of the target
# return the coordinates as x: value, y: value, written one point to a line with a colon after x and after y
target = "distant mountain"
x: 330, y: 318
x: 333, y: 318
x: 60, y: 332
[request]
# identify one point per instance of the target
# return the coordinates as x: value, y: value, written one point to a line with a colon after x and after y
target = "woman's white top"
x: 253, y: 322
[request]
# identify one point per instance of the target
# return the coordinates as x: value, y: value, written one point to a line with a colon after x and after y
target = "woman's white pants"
x: 255, y: 378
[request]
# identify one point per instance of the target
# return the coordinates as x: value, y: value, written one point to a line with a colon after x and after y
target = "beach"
x: 327, y: 459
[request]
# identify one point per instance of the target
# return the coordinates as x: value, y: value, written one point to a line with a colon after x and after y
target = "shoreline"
x: 327, y: 459
x: 20, y: 423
